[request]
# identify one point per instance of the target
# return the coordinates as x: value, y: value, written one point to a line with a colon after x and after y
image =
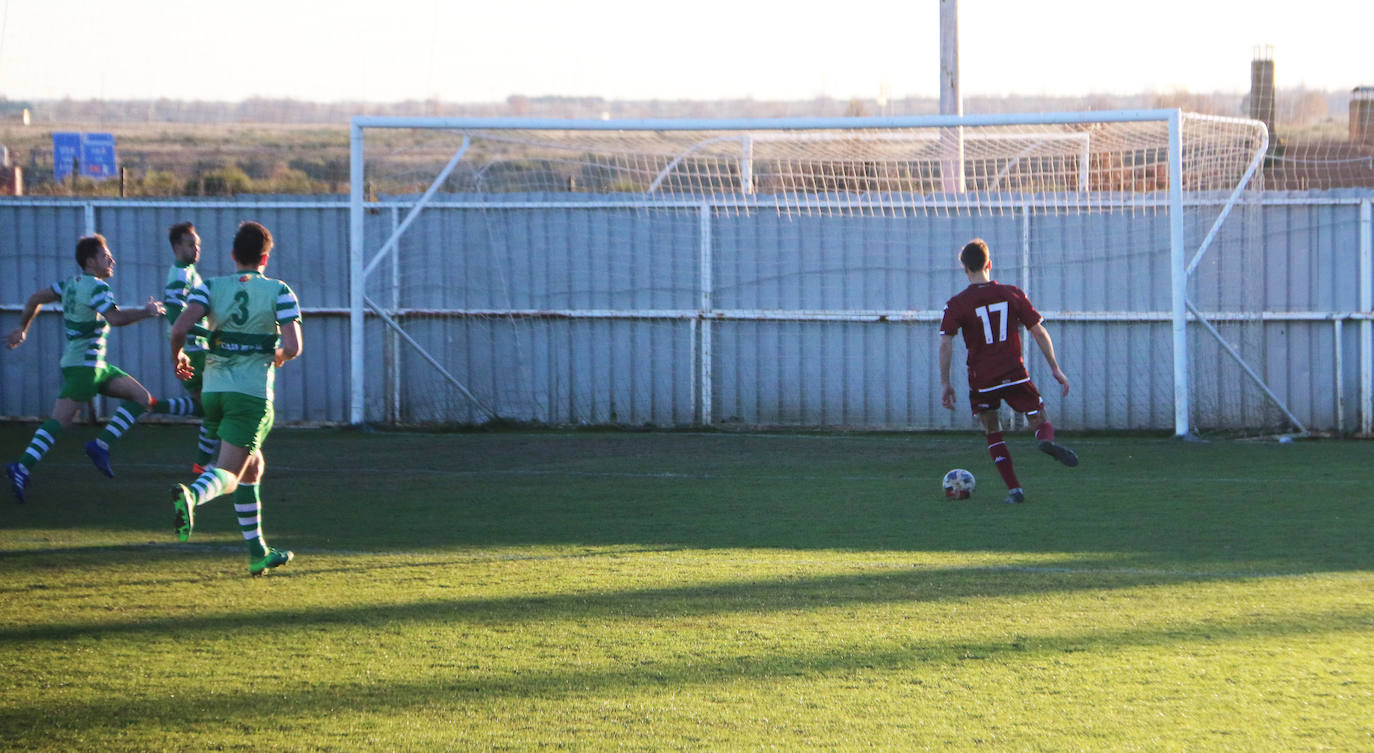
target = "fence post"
x: 1366, y: 326
x: 702, y: 341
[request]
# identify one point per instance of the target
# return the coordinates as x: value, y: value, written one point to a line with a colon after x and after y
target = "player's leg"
x: 44, y: 437
x: 223, y: 477
x: 248, y: 508
x: 248, y: 502
x: 190, y: 405
x: 246, y: 424
x: 177, y: 406
x: 1025, y: 399
x: 206, y: 447
x: 136, y: 400
x: 988, y: 413
x: 1039, y: 421
x: 211, y: 482
x: 206, y: 444
x: 214, y: 482
x: 242, y: 424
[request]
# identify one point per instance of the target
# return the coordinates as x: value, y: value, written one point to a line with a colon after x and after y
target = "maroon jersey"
x: 991, y: 316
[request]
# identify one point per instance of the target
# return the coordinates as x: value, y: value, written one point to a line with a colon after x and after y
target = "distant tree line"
x: 286, y: 146
x: 1297, y: 107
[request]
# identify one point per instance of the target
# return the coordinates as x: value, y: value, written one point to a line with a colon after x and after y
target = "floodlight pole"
x: 951, y: 102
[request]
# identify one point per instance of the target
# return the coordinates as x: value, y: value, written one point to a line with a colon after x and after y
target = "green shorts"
x: 82, y: 383
x: 198, y: 370
x: 239, y: 419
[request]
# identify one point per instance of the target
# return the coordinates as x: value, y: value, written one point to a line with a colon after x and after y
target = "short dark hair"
x: 88, y: 247
x: 175, y: 232
x: 975, y: 255
x: 252, y: 243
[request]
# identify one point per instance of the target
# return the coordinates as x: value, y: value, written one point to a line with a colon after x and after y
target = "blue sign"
x: 66, y: 151
x: 98, y: 156
x: 92, y: 153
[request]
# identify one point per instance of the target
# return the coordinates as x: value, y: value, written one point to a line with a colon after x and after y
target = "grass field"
x: 709, y: 592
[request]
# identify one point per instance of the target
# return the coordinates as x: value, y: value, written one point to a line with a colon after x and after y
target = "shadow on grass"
x: 44, y: 722
x: 760, y: 596
x: 172, y: 559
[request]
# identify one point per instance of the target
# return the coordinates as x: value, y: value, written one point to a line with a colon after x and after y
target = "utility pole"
x: 951, y: 103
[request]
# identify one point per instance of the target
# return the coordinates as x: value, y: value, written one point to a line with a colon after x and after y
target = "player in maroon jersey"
x: 991, y: 315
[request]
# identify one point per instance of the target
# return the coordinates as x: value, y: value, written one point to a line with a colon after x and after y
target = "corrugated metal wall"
x: 37, y: 246
x: 592, y: 315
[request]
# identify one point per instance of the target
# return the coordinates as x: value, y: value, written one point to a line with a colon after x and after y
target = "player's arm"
x: 119, y: 317
x: 175, y: 294
x: 181, y: 365
x: 172, y: 304
x: 946, y: 359
x: 290, y: 342
x: 31, y: 309
x: 1042, y: 338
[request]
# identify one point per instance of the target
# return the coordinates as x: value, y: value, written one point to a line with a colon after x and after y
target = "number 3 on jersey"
x: 240, y: 315
x: 985, y: 314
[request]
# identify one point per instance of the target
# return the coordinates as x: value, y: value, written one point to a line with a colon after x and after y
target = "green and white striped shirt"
x: 181, y: 280
x: 84, y: 301
x: 245, y: 312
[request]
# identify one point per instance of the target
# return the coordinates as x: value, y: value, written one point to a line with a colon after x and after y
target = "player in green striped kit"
x: 255, y: 327
x: 88, y: 311
x: 182, y: 278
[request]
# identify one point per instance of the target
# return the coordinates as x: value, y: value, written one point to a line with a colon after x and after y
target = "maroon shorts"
x: 1023, y: 398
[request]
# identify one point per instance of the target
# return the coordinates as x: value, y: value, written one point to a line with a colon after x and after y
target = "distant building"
x: 1362, y: 115
x: 1263, y: 101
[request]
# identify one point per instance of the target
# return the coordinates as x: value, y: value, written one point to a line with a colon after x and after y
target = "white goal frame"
x: 1183, y: 260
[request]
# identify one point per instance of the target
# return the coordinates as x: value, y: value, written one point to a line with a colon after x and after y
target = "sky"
x: 487, y: 50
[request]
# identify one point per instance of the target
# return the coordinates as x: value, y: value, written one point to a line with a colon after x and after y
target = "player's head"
x: 975, y: 256
x: 252, y: 244
x: 185, y: 242
x: 88, y: 248
x: 94, y: 256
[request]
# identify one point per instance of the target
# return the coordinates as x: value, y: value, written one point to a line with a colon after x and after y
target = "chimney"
x: 1362, y: 115
x: 1262, y: 88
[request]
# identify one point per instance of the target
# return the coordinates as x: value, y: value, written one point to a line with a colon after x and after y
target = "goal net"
x: 793, y: 272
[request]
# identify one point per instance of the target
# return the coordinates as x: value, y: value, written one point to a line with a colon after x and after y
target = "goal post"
x: 770, y: 271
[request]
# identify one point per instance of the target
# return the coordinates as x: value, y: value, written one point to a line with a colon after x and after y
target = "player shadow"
x: 762, y: 595
x: 448, y: 686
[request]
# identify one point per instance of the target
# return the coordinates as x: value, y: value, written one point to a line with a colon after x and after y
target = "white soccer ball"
x: 959, y: 484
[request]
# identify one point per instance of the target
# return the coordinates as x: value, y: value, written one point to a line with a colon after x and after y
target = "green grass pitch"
x: 539, y: 591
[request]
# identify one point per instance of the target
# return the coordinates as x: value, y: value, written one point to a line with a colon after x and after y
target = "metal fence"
x: 699, y: 337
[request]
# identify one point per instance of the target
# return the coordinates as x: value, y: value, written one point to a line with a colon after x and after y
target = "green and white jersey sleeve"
x: 245, y: 314
x: 181, y: 280
x: 84, y: 301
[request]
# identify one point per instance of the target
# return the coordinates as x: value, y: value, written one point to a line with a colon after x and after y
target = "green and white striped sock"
x: 248, y: 507
x: 43, y: 439
x: 178, y: 406
x: 211, y: 484
x: 206, y: 447
x: 123, y: 419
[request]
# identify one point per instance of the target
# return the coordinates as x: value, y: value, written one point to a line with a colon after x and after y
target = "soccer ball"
x: 959, y: 484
